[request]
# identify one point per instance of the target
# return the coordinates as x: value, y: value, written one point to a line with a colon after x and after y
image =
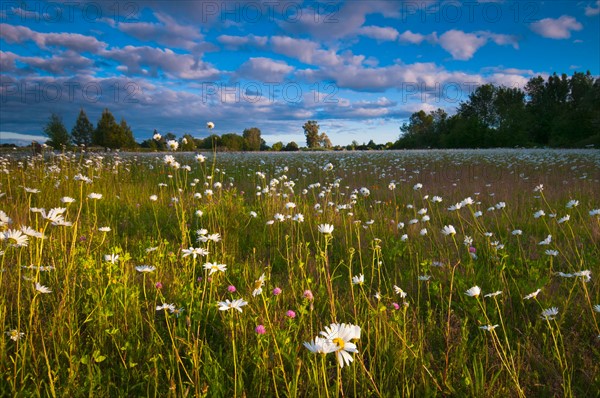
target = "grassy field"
x: 411, y: 273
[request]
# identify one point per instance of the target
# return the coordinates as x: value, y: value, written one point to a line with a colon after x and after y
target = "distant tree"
x: 232, y: 141
x: 56, y: 132
x: 83, y: 130
x: 278, y: 146
x: 252, y: 140
x: 125, y: 137
x: 213, y: 141
x: 105, y: 129
x: 311, y: 131
x: 291, y: 147
x: 324, y: 141
x: 187, y: 143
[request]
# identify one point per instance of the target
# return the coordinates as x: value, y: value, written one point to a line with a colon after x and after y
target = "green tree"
x: 324, y: 141
x: 291, y: 147
x: 187, y: 143
x: 311, y: 131
x: 232, y: 142
x: 105, y: 129
x: 83, y: 130
x: 252, y: 139
x: 56, y: 132
x: 278, y: 146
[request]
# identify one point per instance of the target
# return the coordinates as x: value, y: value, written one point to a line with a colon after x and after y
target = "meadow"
x: 372, y: 274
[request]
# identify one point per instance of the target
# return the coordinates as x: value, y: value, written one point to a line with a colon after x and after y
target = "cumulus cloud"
x: 417, y: 38
x: 591, y: 11
x: 560, y: 28
x: 379, y: 33
x: 304, y: 50
x: 72, y: 41
x: 167, y: 31
x: 242, y: 42
x: 145, y: 60
x: 461, y: 45
x: 264, y: 69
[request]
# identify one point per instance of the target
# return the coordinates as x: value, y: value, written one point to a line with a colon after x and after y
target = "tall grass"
x: 83, y: 316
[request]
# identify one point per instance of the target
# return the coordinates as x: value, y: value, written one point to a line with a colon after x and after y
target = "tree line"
x: 560, y: 111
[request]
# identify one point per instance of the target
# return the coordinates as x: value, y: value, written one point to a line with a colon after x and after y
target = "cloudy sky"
x: 359, y: 68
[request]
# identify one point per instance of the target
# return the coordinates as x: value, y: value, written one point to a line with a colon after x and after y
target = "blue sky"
x: 359, y: 68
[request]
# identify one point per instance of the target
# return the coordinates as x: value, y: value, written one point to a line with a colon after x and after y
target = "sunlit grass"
x: 454, y: 273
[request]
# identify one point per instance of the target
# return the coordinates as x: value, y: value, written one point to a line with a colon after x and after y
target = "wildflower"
x: 377, y: 296
x: 546, y: 241
x: 549, y: 313
x: 153, y: 198
x: 210, y: 125
x: 194, y: 252
x: 260, y: 329
x: 235, y: 304
x: 449, y: 230
x: 104, y: 229
x: 586, y: 274
x: 396, y: 306
x: 172, y: 145
x: 328, y: 167
x: 277, y: 291
x: 417, y: 186
x: 400, y: 225
x: 399, y: 291
x: 253, y: 214
x: 158, y: 285
x: 539, y: 188
x: 538, y: 214
x: 258, y: 284
x: 15, y: 238
x: 231, y: 289
x: 517, y: 232
x: 436, y: 199
x: 199, y: 213
x: 42, y: 289
x: 14, y: 334
x: 94, y: 195
x: 496, y: 293
x: 532, y: 295
x: 424, y: 278
x: 200, y: 158
x: 572, y: 203
x: 298, y: 217
x: 365, y: 191
x: 111, y: 258
x: 156, y: 137
x: 404, y: 238
x: 320, y: 345
x: 4, y: 219
x: 423, y: 232
x: 340, y: 335
x: 308, y: 295
x: 594, y: 212
x: 597, y: 308
x: 475, y: 291
x: 165, y: 306
x: 358, y: 279
x: 145, y: 268
x: 290, y: 314
x: 391, y: 186
x: 468, y: 241
x: 552, y: 253
x: 478, y: 214
x: 489, y: 328
x: 67, y: 199
x: 151, y: 249
x: 214, y: 267
x: 54, y: 215
x: 564, y: 219
x: 326, y: 229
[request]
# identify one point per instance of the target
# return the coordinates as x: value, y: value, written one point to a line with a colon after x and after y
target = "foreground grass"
x: 82, y: 316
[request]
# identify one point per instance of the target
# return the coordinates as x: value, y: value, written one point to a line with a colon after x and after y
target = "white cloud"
x: 242, y: 42
x: 417, y: 38
x: 590, y: 11
x: 556, y: 28
x: 264, y: 69
x: 461, y: 45
x: 379, y: 33
x: 72, y: 41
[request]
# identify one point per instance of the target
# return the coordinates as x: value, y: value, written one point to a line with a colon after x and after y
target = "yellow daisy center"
x: 339, y: 342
